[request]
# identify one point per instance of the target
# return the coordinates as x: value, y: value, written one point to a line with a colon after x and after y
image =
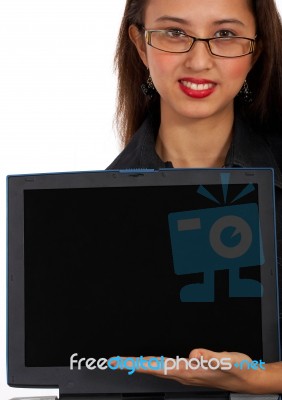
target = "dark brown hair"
x: 265, y: 78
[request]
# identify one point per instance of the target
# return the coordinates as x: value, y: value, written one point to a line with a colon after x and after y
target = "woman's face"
x: 197, y: 84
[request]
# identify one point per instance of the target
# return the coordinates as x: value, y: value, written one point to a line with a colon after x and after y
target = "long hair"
x: 131, y: 74
x: 264, y: 80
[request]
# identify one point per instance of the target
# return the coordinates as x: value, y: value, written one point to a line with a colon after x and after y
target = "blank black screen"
x: 100, y: 280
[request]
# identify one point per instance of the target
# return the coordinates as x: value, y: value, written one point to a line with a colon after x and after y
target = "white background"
x: 57, y: 98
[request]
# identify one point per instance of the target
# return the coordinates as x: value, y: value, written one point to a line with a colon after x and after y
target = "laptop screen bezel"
x: 111, y: 382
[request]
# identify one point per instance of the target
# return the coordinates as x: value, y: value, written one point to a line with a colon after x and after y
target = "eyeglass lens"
x: 178, y: 43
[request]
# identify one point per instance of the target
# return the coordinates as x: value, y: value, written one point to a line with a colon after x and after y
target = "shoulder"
x: 140, y: 152
x: 274, y: 141
x: 258, y: 146
x: 131, y: 155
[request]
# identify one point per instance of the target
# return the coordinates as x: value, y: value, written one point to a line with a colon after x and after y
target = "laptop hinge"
x: 126, y: 396
x: 151, y: 396
x: 161, y: 396
x: 239, y: 396
x: 145, y: 396
x: 90, y: 397
x: 198, y: 395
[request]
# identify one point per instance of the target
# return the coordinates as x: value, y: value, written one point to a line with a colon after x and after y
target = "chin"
x: 204, y: 111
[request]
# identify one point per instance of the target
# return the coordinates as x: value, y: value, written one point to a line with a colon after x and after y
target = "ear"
x: 257, y: 52
x: 139, y: 41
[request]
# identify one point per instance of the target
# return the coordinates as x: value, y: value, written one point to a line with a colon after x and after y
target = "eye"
x: 175, y: 33
x: 224, y: 33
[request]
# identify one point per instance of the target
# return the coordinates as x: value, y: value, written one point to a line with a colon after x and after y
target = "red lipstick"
x: 197, y: 88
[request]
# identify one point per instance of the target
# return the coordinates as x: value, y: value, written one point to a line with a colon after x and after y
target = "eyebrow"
x: 229, y: 21
x: 186, y: 22
x: 173, y: 19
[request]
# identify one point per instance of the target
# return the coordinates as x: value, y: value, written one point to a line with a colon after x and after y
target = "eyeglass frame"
x: 148, y: 39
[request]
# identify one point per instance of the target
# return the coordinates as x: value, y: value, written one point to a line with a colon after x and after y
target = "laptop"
x: 115, y: 264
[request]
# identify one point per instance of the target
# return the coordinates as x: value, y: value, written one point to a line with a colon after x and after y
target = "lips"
x: 197, y: 88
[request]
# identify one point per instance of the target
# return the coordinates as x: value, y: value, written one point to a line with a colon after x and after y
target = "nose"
x: 199, y: 57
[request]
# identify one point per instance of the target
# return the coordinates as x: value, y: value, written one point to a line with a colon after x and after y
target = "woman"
x: 211, y: 76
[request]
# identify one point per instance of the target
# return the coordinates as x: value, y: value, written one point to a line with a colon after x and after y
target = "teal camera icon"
x: 212, y: 239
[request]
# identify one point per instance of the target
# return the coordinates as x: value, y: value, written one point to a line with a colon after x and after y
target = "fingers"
x: 150, y: 364
x: 201, y: 363
x: 203, y: 368
x: 158, y: 366
x: 165, y: 367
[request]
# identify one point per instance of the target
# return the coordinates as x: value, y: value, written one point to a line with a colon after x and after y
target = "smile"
x: 195, y: 86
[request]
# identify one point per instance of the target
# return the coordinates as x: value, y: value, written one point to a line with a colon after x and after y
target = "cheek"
x: 236, y: 69
x: 161, y: 63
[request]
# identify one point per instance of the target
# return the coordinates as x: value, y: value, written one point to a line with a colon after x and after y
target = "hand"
x: 241, y: 380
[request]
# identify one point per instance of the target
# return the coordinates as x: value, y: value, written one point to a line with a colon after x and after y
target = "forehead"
x: 197, y: 12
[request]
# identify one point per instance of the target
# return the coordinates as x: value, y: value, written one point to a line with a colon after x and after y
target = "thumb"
x: 205, y: 353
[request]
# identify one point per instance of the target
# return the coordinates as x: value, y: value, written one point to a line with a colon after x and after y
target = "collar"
x: 248, y: 150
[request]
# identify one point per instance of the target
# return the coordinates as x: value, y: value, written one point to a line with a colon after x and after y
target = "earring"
x: 148, y: 88
x: 246, y: 94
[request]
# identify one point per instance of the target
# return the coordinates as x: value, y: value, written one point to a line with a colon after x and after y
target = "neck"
x: 195, y: 143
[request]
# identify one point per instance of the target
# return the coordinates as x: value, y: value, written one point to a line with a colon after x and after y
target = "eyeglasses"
x: 177, y: 41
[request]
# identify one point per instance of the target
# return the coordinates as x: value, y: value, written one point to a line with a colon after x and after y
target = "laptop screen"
x: 150, y: 265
